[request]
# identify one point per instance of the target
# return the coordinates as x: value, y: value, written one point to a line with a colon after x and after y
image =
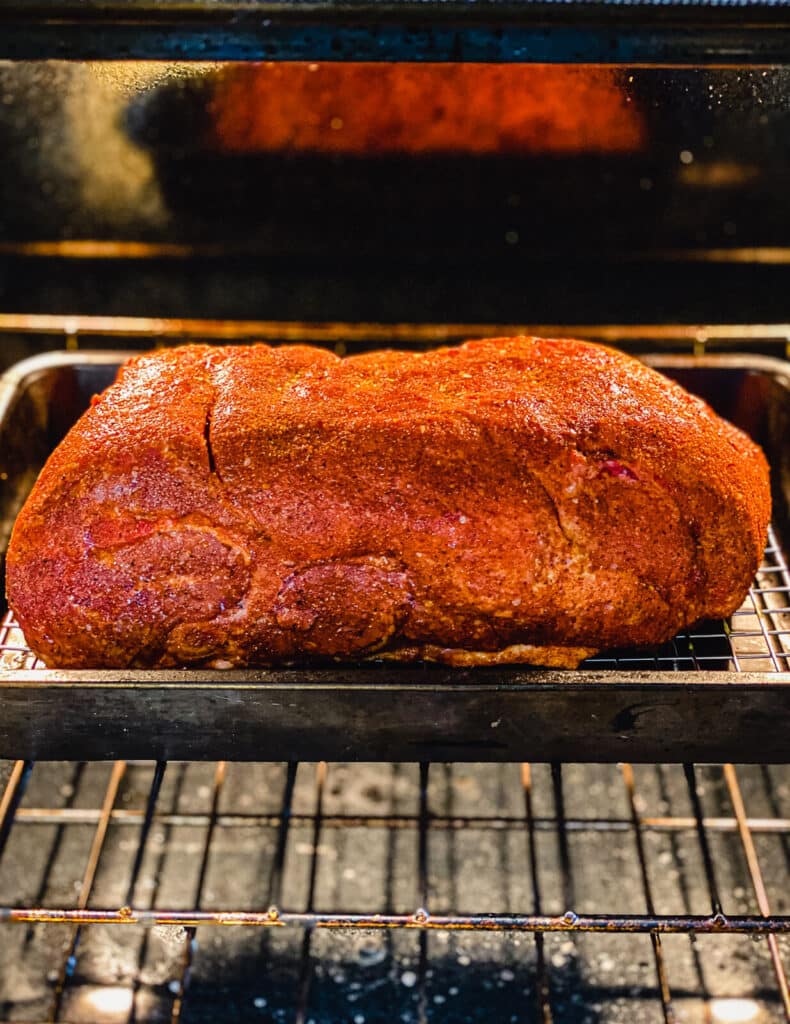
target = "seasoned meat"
x: 510, y: 500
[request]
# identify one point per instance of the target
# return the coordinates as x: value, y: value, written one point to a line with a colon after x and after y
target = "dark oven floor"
x: 454, y: 839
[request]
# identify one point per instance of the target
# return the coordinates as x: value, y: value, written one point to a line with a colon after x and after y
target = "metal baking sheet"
x: 720, y: 692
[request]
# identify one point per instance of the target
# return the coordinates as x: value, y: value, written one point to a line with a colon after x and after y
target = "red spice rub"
x: 511, y: 500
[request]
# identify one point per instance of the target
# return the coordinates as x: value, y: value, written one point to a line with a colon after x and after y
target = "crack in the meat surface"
x: 212, y: 462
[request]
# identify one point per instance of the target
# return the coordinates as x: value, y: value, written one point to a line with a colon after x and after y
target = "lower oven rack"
x: 318, y: 822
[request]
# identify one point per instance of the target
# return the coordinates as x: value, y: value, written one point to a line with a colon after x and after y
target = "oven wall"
x: 515, y: 193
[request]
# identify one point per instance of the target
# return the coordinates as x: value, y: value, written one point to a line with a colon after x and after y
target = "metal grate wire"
x: 424, y: 823
x: 755, y: 638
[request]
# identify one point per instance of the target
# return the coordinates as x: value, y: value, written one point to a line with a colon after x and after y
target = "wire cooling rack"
x: 755, y: 638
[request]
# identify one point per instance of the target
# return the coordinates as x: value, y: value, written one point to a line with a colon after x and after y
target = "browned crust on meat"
x: 515, y: 499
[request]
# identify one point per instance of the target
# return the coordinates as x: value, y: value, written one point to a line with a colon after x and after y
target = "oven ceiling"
x: 659, y: 32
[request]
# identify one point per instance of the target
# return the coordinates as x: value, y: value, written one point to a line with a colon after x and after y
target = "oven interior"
x: 280, y: 890
x: 355, y: 191
x: 398, y: 174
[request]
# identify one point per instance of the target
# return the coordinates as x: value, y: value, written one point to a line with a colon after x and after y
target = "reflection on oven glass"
x: 318, y: 157
x: 370, y: 109
x: 510, y: 193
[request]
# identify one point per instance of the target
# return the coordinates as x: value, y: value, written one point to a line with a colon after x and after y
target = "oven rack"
x: 75, y: 331
x: 310, y: 811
